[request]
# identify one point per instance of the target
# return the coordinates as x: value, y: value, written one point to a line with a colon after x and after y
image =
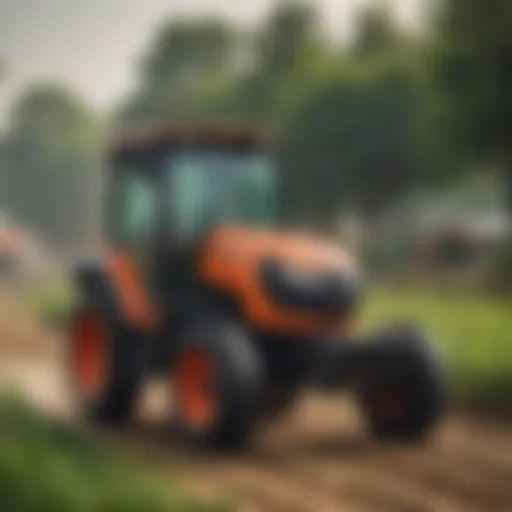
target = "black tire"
x: 281, y: 400
x: 402, y: 393
x: 237, y: 384
x: 113, y: 404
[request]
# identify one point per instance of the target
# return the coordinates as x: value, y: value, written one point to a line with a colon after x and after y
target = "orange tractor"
x: 198, y: 284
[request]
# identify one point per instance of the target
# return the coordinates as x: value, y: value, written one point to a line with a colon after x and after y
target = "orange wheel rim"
x: 90, y: 357
x: 193, y: 380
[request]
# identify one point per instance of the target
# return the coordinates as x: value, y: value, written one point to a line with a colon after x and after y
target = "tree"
x: 206, y: 70
x: 473, y: 73
x: 377, y: 33
x: 362, y: 138
x: 3, y: 155
x: 357, y: 143
x: 285, y: 36
x: 288, y: 54
x: 183, y: 56
x: 51, y: 149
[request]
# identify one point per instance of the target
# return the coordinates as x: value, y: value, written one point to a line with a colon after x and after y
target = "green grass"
x: 52, y: 302
x: 475, y: 334
x: 46, y: 466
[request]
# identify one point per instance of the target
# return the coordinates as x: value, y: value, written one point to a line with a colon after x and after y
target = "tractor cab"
x: 184, y: 182
x: 170, y: 189
x: 200, y: 213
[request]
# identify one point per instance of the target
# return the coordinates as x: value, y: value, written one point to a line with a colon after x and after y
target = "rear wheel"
x: 104, y: 374
x: 218, y: 382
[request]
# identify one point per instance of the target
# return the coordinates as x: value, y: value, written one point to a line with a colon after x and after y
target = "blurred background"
x: 393, y: 116
x: 394, y: 122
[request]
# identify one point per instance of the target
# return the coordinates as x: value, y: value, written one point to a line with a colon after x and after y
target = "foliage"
x: 363, y: 125
x: 472, y: 72
x: 377, y: 34
x: 473, y: 332
x: 46, y: 466
x: 50, y: 152
x: 360, y: 125
x: 183, y: 55
x: 52, y: 303
x: 358, y: 137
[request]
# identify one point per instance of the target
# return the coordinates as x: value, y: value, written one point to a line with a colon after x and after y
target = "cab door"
x: 135, y: 212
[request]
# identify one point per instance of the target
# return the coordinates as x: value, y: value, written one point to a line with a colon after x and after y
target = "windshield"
x: 212, y: 186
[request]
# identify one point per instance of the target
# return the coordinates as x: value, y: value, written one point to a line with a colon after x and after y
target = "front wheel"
x: 402, y: 393
x: 218, y: 384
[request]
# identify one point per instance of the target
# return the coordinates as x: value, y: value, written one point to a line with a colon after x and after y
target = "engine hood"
x: 241, y: 246
x: 235, y: 260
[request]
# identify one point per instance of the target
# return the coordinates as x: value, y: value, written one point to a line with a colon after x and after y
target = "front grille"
x: 325, y: 292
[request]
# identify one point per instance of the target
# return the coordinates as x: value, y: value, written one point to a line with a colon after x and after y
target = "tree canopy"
x: 50, y: 152
x: 473, y: 70
x: 359, y: 125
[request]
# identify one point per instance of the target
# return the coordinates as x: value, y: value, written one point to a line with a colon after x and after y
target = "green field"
x: 46, y: 466
x: 475, y: 333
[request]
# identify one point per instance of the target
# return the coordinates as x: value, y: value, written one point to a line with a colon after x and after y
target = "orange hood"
x: 232, y: 259
x: 245, y: 246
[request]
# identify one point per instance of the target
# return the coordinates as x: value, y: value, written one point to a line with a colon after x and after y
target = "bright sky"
x: 92, y: 45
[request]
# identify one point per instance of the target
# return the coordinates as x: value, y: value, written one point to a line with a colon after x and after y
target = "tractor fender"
x: 114, y: 285
x: 94, y: 287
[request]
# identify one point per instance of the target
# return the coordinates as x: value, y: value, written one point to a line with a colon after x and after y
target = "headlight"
x: 299, y: 288
x: 302, y: 278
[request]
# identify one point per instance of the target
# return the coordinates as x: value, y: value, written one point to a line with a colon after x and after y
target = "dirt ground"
x: 317, y: 460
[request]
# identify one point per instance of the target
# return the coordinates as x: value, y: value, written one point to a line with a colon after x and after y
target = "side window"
x: 137, y: 206
x: 191, y: 196
x: 257, y: 192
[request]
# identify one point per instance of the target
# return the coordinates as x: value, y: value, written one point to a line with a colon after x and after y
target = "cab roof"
x: 190, y: 135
